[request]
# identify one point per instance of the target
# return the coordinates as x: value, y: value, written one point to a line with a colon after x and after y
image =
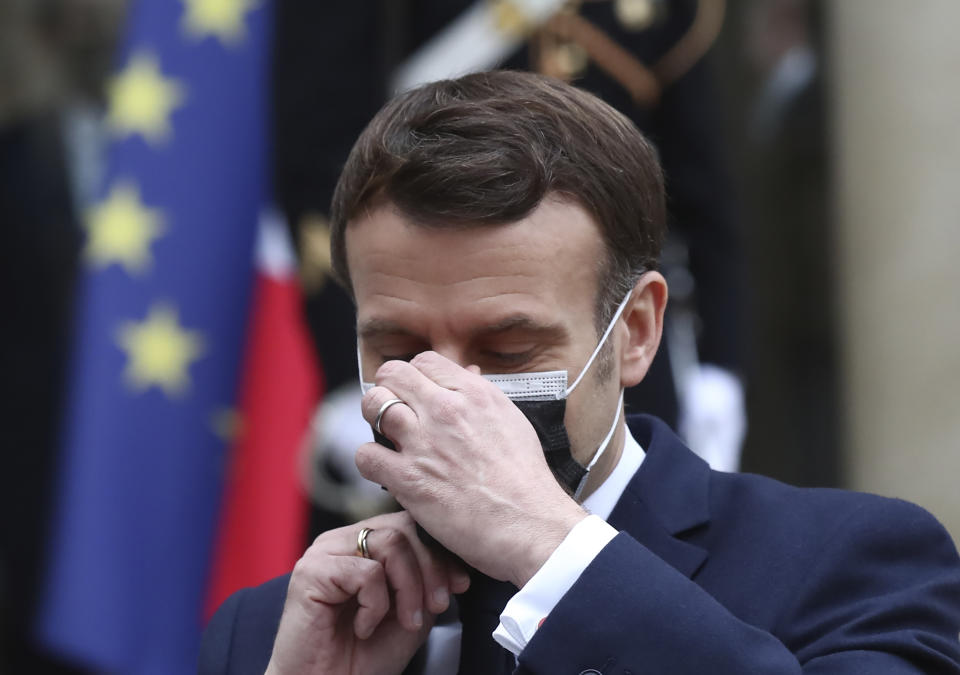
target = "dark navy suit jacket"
x: 718, y: 574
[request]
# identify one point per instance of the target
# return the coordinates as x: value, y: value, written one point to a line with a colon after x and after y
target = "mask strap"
x: 603, y: 339
x: 600, y: 450
x: 363, y: 387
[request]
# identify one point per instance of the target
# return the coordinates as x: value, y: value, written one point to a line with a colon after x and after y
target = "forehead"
x: 551, y: 257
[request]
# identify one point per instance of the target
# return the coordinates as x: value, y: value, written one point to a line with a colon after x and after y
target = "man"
x: 499, y: 234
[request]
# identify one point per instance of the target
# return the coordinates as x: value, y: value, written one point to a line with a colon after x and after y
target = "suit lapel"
x: 418, y: 663
x: 667, y: 497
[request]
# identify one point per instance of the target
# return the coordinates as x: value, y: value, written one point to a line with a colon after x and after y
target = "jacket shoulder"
x: 815, y: 513
x: 239, y: 637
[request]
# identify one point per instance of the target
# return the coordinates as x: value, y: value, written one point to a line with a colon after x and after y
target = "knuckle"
x: 423, y: 358
x: 366, y: 461
x: 403, y: 522
x: 368, y: 405
x: 390, y: 369
x: 371, y: 571
x: 309, y: 557
x: 408, y: 476
x: 301, y: 568
x: 391, y: 539
x: 448, y: 410
x: 372, y: 400
x: 479, y: 390
x: 475, y: 395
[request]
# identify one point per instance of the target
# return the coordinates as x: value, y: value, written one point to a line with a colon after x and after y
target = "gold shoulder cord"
x: 567, y: 42
x: 690, y: 48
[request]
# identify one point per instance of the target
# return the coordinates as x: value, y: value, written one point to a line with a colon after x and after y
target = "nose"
x: 454, y: 352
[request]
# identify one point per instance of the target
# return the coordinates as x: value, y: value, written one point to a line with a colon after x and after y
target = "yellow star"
x: 315, y: 252
x: 510, y: 18
x: 142, y: 99
x: 120, y: 230
x: 159, y: 351
x: 220, y: 18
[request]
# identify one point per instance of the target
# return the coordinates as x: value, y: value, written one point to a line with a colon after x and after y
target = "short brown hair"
x: 485, y: 149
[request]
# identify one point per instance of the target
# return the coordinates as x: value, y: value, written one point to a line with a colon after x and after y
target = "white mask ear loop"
x: 606, y: 334
x: 363, y: 385
x: 603, y: 447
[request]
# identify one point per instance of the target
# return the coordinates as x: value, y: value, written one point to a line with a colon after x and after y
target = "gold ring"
x: 362, y: 550
x: 383, y: 409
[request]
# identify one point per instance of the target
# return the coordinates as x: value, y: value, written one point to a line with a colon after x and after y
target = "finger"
x: 380, y: 465
x: 337, y: 579
x: 373, y: 602
x: 390, y: 542
x: 434, y: 570
x: 434, y: 564
x: 444, y: 372
x: 394, y: 550
x: 396, y: 422
x: 407, y: 383
x: 441, y: 573
x: 474, y: 369
x: 343, y: 540
x: 458, y: 575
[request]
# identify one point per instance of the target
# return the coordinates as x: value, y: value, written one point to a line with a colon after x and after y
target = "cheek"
x: 580, y: 421
x: 589, y: 414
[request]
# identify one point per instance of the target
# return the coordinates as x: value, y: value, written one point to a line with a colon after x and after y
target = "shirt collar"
x: 605, y: 497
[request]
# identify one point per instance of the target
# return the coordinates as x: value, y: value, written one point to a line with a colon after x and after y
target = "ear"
x: 643, y: 319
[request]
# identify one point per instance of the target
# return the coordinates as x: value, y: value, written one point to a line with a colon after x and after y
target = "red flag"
x: 264, y: 516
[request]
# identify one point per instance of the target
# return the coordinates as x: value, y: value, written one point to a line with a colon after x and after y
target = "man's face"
x: 508, y: 298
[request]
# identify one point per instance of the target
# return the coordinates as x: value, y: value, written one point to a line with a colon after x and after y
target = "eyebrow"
x: 377, y: 327
x: 523, y: 323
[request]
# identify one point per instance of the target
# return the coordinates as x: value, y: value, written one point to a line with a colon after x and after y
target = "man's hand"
x: 469, y: 466
x: 348, y: 615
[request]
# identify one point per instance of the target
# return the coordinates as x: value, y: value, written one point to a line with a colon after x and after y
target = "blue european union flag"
x: 159, y: 335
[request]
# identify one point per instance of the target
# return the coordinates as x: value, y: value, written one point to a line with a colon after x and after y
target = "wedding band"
x: 362, y: 543
x: 383, y: 409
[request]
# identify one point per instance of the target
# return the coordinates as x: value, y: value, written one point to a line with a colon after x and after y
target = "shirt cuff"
x: 528, y: 608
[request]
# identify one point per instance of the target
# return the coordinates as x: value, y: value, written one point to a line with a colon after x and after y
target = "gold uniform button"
x: 635, y: 14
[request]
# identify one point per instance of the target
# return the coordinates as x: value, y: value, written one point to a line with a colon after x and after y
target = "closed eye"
x: 508, y: 358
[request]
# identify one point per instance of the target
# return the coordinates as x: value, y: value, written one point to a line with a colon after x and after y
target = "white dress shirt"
x: 525, y: 610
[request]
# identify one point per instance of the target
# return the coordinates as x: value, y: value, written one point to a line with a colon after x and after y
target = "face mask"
x: 542, y: 398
